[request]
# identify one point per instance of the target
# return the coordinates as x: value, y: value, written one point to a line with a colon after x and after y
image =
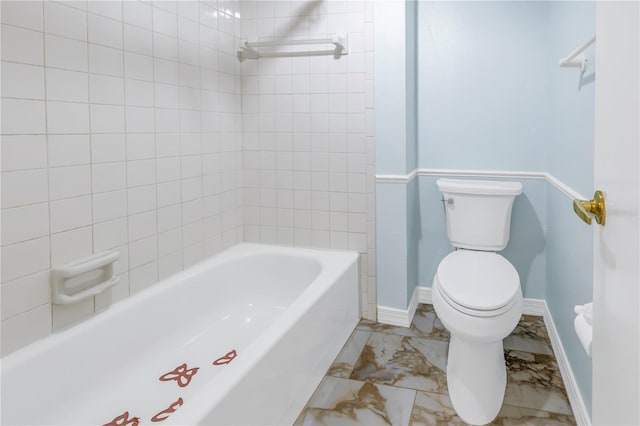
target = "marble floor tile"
x: 346, y: 359
x: 518, y: 416
x: 403, y: 361
x: 397, y: 375
x: 425, y: 324
x: 530, y: 335
x: 534, y: 381
x: 433, y: 409
x: 349, y: 402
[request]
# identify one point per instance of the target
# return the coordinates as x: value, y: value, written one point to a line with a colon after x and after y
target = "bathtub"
x: 241, y: 338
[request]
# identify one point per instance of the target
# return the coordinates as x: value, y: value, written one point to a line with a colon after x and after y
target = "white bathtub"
x: 286, y: 312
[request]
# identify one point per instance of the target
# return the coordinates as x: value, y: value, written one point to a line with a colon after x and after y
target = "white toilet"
x: 476, y: 294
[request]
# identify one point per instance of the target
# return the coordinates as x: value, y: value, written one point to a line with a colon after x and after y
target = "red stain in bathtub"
x: 226, y: 358
x: 180, y: 374
x: 124, y: 420
x: 164, y: 414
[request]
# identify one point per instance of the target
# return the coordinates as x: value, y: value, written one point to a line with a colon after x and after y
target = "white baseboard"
x: 573, y: 391
x: 399, y: 317
x: 534, y: 307
x: 537, y: 307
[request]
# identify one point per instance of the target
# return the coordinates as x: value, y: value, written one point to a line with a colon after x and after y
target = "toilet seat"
x: 478, y: 283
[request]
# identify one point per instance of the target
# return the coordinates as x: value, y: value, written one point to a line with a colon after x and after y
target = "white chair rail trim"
x: 552, y: 180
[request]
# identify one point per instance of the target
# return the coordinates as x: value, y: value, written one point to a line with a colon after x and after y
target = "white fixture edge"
x: 537, y: 307
x: 557, y: 183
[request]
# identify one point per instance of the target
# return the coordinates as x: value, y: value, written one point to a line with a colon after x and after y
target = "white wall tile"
x: 22, y: 81
x: 106, y: 89
x: 25, y: 14
x: 66, y: 182
x: 165, y: 22
x: 25, y: 258
x: 69, y: 150
x: 108, y: 177
x: 110, y: 234
x: 110, y: 9
x: 25, y: 223
x: 107, y: 148
x: 140, y: 146
x: 25, y: 294
x: 107, y: 119
x: 67, y: 117
x: 138, y: 40
x: 141, y: 199
x: 105, y: 31
x: 140, y: 120
x: 25, y: 328
x: 105, y: 60
x: 22, y: 45
x: 109, y: 205
x: 168, y: 169
x: 23, y: 152
x: 143, y: 277
x: 141, y: 172
x: 143, y: 251
x: 66, y: 315
x: 138, y: 93
x: 70, y: 213
x: 71, y: 245
x: 169, y: 217
x: 65, y: 85
x: 65, y: 21
x: 137, y: 66
x: 24, y: 187
x: 66, y: 53
x: 102, y: 160
x: 138, y: 13
x: 22, y: 116
x: 142, y: 225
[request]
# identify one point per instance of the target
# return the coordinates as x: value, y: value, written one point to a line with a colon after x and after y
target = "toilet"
x: 476, y: 293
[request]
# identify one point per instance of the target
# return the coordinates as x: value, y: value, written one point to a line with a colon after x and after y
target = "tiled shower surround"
x: 308, y: 145
x: 132, y: 126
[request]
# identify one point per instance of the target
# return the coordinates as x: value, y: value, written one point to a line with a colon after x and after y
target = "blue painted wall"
x: 570, y: 159
x: 483, y: 87
x: 572, y: 106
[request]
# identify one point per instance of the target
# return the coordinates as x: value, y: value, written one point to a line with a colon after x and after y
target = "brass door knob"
x: 596, y: 207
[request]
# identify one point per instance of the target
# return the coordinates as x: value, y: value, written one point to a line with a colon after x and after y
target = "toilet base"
x: 476, y: 379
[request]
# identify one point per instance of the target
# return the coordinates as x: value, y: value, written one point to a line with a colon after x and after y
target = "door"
x: 616, y: 354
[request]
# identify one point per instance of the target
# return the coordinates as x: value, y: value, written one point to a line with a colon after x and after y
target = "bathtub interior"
x: 201, y: 315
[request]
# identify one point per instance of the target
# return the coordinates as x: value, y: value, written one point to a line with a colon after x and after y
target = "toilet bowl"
x: 476, y: 294
x: 476, y: 373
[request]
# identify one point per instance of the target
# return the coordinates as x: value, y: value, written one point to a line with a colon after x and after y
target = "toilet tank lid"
x: 480, y: 187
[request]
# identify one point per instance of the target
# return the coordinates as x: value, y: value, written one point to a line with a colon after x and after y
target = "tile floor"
x: 397, y: 376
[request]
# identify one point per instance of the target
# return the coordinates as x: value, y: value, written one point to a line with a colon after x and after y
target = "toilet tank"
x: 478, y: 212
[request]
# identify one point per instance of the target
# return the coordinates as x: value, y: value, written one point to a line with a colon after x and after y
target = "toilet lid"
x: 478, y: 280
